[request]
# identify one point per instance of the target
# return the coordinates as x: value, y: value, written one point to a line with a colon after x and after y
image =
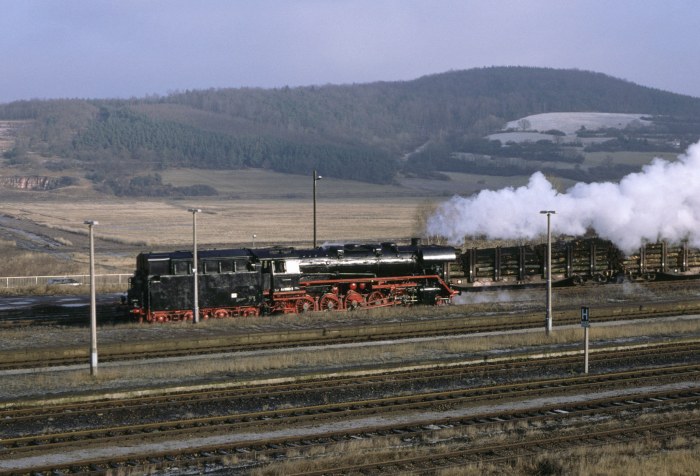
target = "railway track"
x: 28, y: 412
x: 261, y: 430
x: 503, y: 452
x: 59, y: 315
x: 655, y: 286
x: 332, y: 334
x: 113, y: 313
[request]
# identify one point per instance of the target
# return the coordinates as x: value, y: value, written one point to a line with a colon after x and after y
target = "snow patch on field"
x: 570, y: 122
x: 505, y: 137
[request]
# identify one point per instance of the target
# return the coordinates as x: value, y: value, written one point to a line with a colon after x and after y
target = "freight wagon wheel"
x: 354, y: 300
x: 329, y: 302
x: 375, y: 298
x: 304, y: 304
x: 220, y: 313
x: 159, y: 317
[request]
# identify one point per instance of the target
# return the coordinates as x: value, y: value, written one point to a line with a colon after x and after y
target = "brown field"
x: 154, y: 224
x: 277, y: 208
x: 266, y: 184
x: 627, y: 158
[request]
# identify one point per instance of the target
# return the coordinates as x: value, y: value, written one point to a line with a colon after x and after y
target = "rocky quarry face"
x: 32, y: 182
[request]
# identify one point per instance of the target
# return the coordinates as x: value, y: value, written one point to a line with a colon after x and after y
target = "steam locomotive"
x: 574, y: 262
x: 250, y: 282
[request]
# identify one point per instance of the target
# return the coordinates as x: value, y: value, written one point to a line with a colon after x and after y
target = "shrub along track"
x: 333, y: 333
x: 373, y: 415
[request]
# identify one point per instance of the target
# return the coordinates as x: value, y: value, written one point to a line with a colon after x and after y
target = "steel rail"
x: 511, y: 450
x: 299, y: 338
x: 272, y: 449
x: 29, y: 411
x: 355, y: 409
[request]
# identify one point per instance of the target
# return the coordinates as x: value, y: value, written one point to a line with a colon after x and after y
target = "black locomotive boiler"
x: 250, y: 282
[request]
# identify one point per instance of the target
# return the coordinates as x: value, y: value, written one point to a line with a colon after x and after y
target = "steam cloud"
x: 662, y: 202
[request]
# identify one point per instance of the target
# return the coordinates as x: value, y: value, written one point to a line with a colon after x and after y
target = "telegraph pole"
x: 93, y: 304
x: 195, y: 298
x: 585, y: 323
x: 548, y: 315
x: 316, y: 178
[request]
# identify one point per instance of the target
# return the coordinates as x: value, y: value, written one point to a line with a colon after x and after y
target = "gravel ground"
x: 257, y: 366
x: 252, y: 366
x: 56, y: 383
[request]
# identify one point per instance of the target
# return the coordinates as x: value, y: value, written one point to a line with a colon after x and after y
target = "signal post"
x: 585, y: 323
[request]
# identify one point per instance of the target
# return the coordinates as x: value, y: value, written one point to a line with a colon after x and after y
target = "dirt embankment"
x: 33, y: 237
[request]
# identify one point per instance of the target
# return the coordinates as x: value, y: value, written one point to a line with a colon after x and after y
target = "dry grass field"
x: 276, y: 208
x: 627, y: 158
x: 154, y: 223
x: 266, y: 184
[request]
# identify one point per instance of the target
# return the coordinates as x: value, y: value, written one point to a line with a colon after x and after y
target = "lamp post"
x: 195, y: 298
x: 316, y: 178
x: 254, y: 237
x: 548, y: 318
x: 93, y: 305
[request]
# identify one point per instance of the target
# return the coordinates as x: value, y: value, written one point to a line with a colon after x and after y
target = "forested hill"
x: 358, y: 131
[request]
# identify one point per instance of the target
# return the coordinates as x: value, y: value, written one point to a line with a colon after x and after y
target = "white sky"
x: 127, y: 48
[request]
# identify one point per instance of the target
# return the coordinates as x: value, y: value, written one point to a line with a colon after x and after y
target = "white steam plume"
x: 662, y: 202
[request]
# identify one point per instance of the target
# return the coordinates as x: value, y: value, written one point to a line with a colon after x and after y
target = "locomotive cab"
x: 280, y: 274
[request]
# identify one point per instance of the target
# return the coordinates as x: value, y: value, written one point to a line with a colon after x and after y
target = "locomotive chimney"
x: 415, y: 242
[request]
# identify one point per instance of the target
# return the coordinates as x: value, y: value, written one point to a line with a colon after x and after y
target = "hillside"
x: 379, y: 133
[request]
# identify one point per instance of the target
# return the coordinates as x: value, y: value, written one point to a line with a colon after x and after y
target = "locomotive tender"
x: 574, y: 262
x: 250, y: 282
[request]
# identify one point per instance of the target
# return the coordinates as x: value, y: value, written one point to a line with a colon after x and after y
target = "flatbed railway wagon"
x: 662, y: 261
x: 573, y: 262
